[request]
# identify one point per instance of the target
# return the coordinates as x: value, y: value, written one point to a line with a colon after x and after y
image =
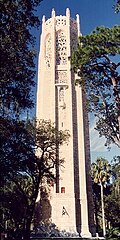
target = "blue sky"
x: 92, y: 13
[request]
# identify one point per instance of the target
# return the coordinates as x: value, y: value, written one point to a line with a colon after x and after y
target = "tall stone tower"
x: 59, y: 100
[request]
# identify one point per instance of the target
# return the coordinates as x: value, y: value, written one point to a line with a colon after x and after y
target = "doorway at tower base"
x: 64, y: 215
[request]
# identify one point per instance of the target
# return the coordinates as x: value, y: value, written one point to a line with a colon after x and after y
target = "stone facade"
x: 59, y: 100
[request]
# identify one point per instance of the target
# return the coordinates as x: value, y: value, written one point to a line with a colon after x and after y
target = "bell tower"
x: 59, y: 100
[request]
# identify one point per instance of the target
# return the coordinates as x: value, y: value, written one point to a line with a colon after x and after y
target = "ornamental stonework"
x: 60, y: 21
x: 48, y: 51
x: 61, y: 48
x: 61, y: 77
x: 73, y: 41
x: 48, y: 22
x: 74, y: 35
x: 73, y: 25
x: 61, y: 95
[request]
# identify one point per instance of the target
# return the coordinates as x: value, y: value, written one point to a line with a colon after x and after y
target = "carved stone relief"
x: 74, y: 35
x: 73, y: 41
x: 48, y: 51
x: 60, y: 77
x: 61, y: 48
x: 61, y: 94
x: 60, y: 21
x: 48, y: 22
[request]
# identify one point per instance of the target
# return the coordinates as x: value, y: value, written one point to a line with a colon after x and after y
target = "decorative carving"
x: 60, y: 21
x: 73, y: 25
x: 74, y: 36
x: 61, y: 48
x: 61, y: 77
x: 61, y: 94
x: 73, y: 41
x: 48, y: 52
x: 64, y: 211
x: 48, y: 22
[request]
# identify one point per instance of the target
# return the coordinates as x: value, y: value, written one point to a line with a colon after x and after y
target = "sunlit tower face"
x: 59, y: 100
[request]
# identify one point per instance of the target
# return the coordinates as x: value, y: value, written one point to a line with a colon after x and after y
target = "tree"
x: 101, y: 172
x: 13, y: 207
x: 117, y: 6
x: 116, y: 174
x: 112, y: 201
x: 112, y: 209
x: 28, y: 154
x: 17, y: 54
x: 96, y: 62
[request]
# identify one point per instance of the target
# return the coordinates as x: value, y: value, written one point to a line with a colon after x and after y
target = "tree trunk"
x: 103, y: 212
x: 29, y: 213
x: 117, y: 100
x: 96, y: 216
x: 27, y: 229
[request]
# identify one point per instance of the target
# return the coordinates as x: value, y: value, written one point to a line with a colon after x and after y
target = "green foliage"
x: 17, y: 54
x: 14, y: 205
x: 116, y: 170
x: 101, y: 171
x: 117, y: 6
x: 112, y: 209
x: 27, y: 155
x: 51, y: 231
x: 42, y: 213
x: 112, y: 201
x: 96, y: 62
x: 111, y: 193
x: 112, y: 233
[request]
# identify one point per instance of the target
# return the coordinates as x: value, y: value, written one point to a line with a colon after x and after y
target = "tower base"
x: 63, y: 215
x: 85, y: 232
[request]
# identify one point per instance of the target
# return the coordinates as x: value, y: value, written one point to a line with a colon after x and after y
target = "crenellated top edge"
x: 53, y: 13
x: 60, y: 19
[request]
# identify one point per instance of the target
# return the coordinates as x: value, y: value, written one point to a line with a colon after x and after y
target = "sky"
x: 92, y: 13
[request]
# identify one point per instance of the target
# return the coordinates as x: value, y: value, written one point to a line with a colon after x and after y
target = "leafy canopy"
x: 96, y: 62
x: 101, y: 171
x: 117, y: 6
x: 17, y: 54
x: 27, y: 156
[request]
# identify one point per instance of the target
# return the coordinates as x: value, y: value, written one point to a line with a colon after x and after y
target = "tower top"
x: 53, y: 14
x: 43, y: 19
x: 61, y: 21
x: 68, y: 12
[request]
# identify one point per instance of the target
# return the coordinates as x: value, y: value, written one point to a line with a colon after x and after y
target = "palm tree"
x: 101, y: 172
